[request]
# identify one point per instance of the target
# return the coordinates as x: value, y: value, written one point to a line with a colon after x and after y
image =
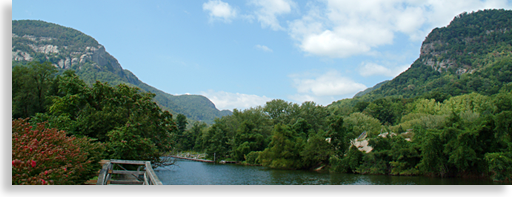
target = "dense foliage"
x: 62, y: 36
x: 466, y: 135
x: 73, y: 45
x: 426, y: 121
x: 42, y: 155
x: 122, y: 120
x: 472, y: 54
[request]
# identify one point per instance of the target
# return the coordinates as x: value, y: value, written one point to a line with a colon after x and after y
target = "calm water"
x: 197, y: 173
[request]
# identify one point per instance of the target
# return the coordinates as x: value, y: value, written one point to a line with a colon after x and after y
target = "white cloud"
x: 329, y: 84
x: 344, y: 28
x: 263, y: 48
x: 226, y: 100
x: 220, y: 11
x: 372, y: 69
x: 301, y: 98
x: 269, y: 9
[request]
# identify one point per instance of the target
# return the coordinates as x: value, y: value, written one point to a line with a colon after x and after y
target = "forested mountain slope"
x: 472, y: 54
x: 446, y: 116
x: 67, y: 48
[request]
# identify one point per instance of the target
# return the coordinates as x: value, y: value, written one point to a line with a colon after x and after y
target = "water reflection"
x: 197, y: 173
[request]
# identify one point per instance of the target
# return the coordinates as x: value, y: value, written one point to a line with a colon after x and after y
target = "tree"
x: 361, y: 106
x: 359, y: 122
x: 30, y: 88
x: 115, y: 115
x: 182, y: 139
x: 284, y: 149
x: 247, y: 139
x: 338, y: 134
x: 316, y: 150
x: 216, y: 143
x: 181, y: 120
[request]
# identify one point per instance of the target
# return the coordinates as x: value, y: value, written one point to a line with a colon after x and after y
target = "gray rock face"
x: 46, y: 49
x: 95, y: 55
x: 432, y: 58
x: 21, y: 56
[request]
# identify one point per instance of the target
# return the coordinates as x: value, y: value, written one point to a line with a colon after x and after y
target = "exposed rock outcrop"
x: 63, y: 56
x: 19, y: 55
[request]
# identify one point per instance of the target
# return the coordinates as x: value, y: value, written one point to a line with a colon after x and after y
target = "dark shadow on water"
x: 197, y: 173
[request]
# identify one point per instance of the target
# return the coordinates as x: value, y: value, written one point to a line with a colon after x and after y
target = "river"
x: 198, y: 173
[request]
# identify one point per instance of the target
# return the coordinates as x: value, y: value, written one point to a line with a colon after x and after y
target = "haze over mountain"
x: 67, y: 48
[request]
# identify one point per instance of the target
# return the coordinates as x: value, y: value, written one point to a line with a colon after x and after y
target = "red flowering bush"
x: 42, y: 156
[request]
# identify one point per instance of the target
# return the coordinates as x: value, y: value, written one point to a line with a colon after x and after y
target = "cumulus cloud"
x: 263, y: 48
x: 219, y: 11
x: 343, y: 28
x: 330, y: 83
x: 372, y: 69
x: 269, y: 9
x: 227, y: 100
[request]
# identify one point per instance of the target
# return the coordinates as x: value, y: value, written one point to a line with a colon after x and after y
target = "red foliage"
x: 47, y: 156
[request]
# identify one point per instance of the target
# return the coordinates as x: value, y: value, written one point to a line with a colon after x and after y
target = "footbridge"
x: 144, y: 175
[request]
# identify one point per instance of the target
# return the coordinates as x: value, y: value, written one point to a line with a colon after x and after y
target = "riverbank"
x: 200, y: 173
x: 192, y: 159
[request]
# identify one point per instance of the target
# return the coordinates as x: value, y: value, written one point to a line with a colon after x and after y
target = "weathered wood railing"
x: 149, y: 175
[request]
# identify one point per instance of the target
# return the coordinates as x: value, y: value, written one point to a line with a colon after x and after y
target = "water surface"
x: 198, y: 173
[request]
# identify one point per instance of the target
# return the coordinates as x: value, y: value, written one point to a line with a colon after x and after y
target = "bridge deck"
x: 127, y: 177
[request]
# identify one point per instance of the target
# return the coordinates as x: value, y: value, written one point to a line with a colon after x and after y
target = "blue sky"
x: 241, y: 54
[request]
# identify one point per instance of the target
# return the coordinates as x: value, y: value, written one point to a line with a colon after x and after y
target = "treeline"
x: 478, y: 44
x: 72, y: 43
x: 121, y: 120
x: 435, y: 135
x: 421, y: 80
x: 62, y: 36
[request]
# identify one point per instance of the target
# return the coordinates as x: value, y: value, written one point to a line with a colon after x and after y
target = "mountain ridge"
x: 67, y: 48
x: 471, y: 54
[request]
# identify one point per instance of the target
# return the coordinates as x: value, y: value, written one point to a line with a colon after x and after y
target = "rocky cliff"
x: 471, y: 54
x: 467, y: 37
x: 67, y: 48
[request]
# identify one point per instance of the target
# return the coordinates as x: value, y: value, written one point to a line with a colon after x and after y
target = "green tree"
x: 338, y: 134
x: 284, y: 149
x: 247, y: 139
x: 30, y: 88
x: 115, y: 115
x: 317, y: 150
x: 181, y: 120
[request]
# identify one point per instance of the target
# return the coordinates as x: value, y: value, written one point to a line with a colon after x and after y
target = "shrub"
x: 42, y: 156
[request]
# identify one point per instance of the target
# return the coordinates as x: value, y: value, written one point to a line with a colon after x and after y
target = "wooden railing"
x: 105, y: 175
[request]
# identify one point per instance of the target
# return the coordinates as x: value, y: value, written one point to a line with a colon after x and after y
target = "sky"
x: 241, y: 54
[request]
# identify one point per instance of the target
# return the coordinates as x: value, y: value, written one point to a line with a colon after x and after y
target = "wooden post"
x: 103, y: 175
x: 151, y: 174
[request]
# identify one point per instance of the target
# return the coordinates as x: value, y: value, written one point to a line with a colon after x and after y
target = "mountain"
x: 368, y: 90
x: 472, y: 54
x: 67, y: 48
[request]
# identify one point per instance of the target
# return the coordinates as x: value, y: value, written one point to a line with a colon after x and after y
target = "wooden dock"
x: 131, y: 176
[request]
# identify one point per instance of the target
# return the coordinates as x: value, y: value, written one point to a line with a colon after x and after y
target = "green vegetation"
x: 427, y: 121
x: 466, y: 135
x: 123, y: 121
x: 472, y: 54
x: 91, y: 65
